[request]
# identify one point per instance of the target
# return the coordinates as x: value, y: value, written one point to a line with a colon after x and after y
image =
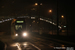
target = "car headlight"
x: 24, y: 34
x: 16, y: 34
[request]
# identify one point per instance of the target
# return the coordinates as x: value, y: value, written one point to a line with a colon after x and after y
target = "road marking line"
x: 18, y: 46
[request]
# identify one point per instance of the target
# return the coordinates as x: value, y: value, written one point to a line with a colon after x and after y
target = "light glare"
x: 36, y: 3
x: 16, y: 35
x: 24, y: 34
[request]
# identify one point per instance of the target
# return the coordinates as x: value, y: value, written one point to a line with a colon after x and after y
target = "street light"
x: 36, y: 3
x: 62, y: 16
x: 50, y: 10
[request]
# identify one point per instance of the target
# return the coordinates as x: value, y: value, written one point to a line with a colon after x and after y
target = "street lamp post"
x: 52, y: 20
x: 66, y: 23
x: 39, y: 4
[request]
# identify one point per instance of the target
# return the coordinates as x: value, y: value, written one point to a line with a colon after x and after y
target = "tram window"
x: 18, y: 26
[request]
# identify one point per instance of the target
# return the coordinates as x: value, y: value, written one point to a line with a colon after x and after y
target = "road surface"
x: 33, y: 43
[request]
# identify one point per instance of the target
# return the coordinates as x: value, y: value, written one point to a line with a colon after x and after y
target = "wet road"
x: 33, y: 43
x: 18, y: 45
x: 21, y: 46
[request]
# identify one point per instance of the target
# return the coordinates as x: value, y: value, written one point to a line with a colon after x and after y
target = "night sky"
x: 8, y: 7
x: 19, y: 7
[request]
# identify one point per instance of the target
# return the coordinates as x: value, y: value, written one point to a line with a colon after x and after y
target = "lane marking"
x: 18, y: 46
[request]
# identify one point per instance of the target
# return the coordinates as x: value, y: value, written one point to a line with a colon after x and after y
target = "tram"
x: 18, y: 29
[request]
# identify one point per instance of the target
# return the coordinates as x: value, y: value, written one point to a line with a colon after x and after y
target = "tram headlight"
x: 24, y: 34
x: 16, y: 34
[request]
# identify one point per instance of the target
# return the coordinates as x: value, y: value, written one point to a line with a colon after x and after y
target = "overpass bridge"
x: 6, y: 18
x: 48, y: 21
